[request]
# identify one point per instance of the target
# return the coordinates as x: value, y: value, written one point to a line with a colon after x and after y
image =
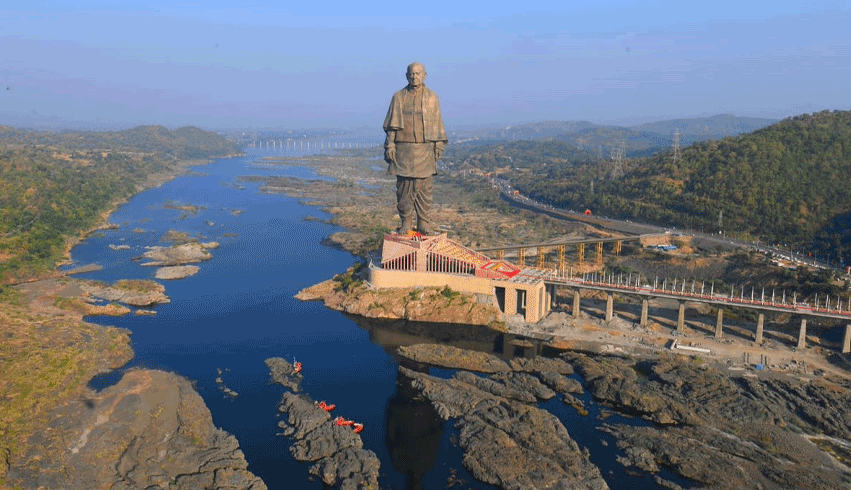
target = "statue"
x: 415, y: 142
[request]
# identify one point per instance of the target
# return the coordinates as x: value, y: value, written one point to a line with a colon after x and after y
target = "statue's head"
x: 416, y: 75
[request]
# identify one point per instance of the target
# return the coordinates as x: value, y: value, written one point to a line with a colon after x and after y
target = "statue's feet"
x: 424, y: 229
x: 405, y: 228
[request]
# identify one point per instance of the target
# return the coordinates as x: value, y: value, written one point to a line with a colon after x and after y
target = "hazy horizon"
x: 240, y: 65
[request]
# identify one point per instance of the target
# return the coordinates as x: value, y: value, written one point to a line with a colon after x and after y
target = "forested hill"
x: 56, y: 185
x: 186, y: 142
x: 787, y: 183
x: 491, y: 156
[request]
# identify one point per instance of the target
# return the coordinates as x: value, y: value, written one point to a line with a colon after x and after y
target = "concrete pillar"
x: 610, y: 303
x: 846, y: 340
x: 510, y: 301
x: 760, y: 321
x: 802, y: 334
x: 575, y: 303
x: 719, y: 324
x: 681, y: 318
x: 644, y: 307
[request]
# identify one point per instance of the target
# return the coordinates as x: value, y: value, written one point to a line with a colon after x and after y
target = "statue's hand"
x: 438, y: 152
x: 390, y: 155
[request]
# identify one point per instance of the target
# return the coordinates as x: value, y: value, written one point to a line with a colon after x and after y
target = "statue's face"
x: 416, y: 76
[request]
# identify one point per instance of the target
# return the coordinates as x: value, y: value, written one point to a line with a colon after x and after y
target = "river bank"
x: 150, y: 428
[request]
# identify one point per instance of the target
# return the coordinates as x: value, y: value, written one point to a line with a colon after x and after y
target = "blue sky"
x: 335, y: 64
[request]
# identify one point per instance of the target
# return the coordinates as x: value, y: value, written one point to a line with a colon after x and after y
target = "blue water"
x: 239, y: 310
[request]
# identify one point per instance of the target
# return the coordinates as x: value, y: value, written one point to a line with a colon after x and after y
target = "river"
x: 239, y: 310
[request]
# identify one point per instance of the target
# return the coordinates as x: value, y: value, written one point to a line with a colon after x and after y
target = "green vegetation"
x: 348, y: 279
x: 56, y: 185
x: 786, y: 183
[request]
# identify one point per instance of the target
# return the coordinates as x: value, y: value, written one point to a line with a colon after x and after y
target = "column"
x: 681, y: 318
x: 846, y: 340
x: 645, y: 304
x: 610, y: 301
x: 802, y: 334
x: 575, y: 303
x: 510, y: 301
x: 719, y: 324
x: 760, y: 320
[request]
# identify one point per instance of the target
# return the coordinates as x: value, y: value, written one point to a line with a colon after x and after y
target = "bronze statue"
x: 415, y: 142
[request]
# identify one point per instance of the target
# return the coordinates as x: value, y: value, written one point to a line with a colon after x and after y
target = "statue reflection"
x: 414, y: 431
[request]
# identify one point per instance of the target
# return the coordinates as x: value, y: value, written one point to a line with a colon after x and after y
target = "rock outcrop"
x: 176, y: 272
x: 284, y: 373
x: 415, y: 305
x: 726, y: 432
x: 186, y: 253
x: 508, y: 443
x: 130, y: 292
x: 151, y: 430
x: 336, y: 450
x: 454, y: 358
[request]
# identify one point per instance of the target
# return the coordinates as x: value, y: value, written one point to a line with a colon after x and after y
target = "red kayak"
x: 325, y: 406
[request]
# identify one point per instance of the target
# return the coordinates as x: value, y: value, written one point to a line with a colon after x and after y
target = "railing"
x: 635, y: 285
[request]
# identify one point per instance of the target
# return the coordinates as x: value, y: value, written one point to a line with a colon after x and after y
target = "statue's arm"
x: 439, y: 146
x: 390, y: 146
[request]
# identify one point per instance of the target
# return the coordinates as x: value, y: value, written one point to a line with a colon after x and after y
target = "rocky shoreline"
x: 349, y: 294
x: 718, y: 431
x: 507, y: 440
x: 149, y: 430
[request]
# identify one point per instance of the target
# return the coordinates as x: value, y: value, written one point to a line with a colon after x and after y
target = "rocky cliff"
x: 349, y: 294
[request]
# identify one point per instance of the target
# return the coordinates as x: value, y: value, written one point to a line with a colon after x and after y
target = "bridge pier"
x: 575, y: 303
x: 846, y: 340
x: 644, y: 307
x: 719, y: 324
x: 610, y: 305
x: 760, y: 321
x: 681, y: 317
x: 802, y: 334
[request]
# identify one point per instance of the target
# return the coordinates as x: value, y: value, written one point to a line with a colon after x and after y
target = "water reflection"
x: 414, y: 432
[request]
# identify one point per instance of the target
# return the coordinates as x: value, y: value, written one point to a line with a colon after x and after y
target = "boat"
x: 325, y: 406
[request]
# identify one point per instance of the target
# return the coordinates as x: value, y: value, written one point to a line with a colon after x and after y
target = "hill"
x: 501, y: 155
x: 187, y: 142
x: 636, y: 141
x: 786, y: 183
x: 704, y: 128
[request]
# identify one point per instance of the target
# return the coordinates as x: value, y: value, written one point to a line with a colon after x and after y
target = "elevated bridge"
x: 558, y: 248
x: 612, y: 285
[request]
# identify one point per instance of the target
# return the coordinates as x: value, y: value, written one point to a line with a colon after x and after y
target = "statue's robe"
x: 415, y: 146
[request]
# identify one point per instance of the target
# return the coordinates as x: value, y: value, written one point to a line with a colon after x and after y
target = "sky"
x: 258, y: 64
